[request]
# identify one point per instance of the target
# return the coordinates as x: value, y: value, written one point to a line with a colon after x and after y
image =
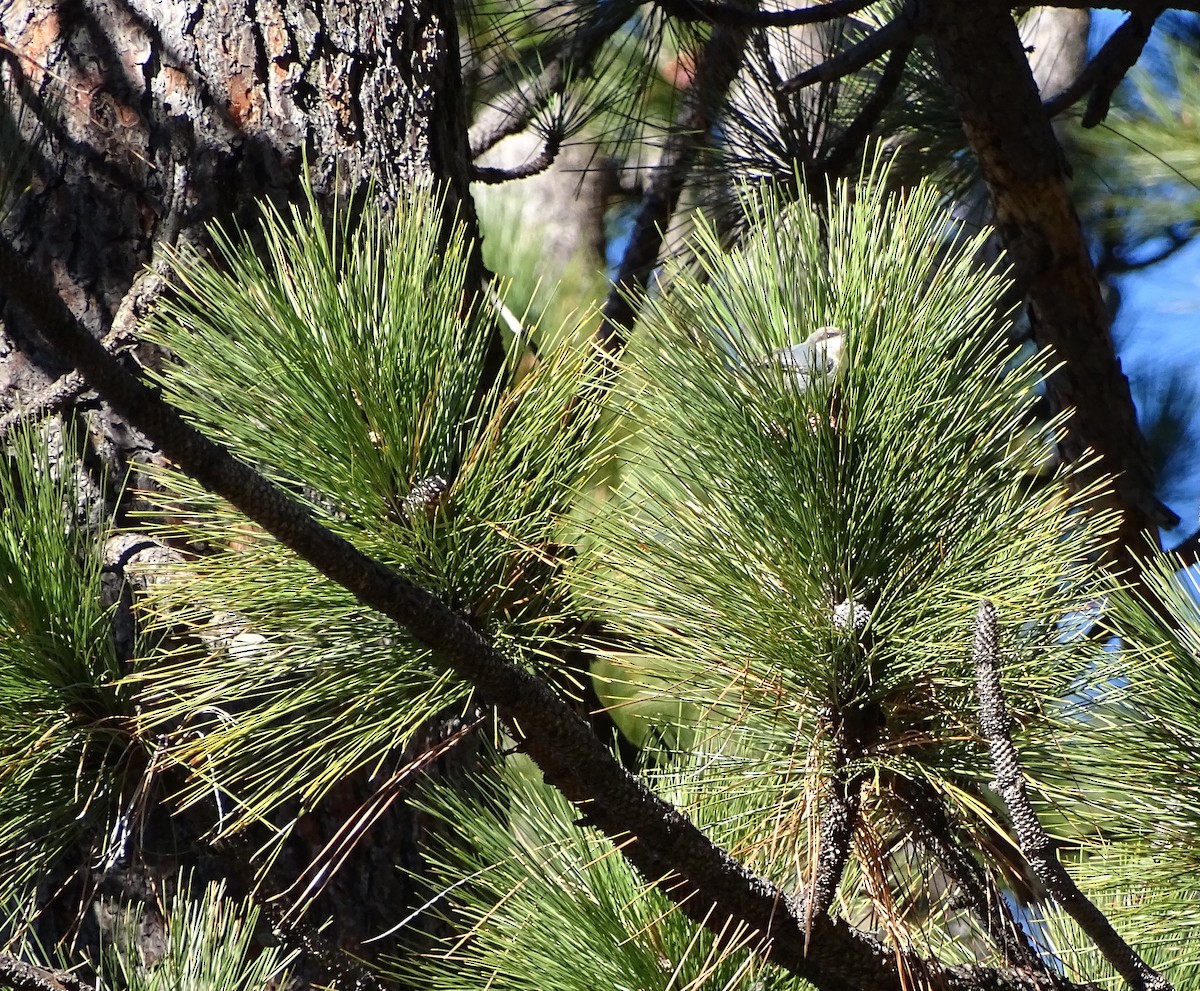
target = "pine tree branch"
x: 1107, y: 68
x: 849, y: 143
x: 1037, y: 846
x: 539, y: 163
x: 716, y: 68
x: 512, y: 111
x: 839, y: 818
x: 667, y: 849
x: 899, y: 33
x: 22, y: 976
x: 925, y: 815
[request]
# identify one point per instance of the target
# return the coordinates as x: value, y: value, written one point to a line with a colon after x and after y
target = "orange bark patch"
x: 42, y: 33
x: 244, y: 99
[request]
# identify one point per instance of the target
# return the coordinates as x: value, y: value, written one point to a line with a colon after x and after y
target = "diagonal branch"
x: 925, y: 814
x: 21, y: 976
x: 839, y: 818
x: 716, y: 68
x: 491, y: 175
x: 853, y: 139
x: 703, y: 880
x: 1103, y: 74
x: 512, y: 111
x: 1036, y: 844
x: 899, y: 33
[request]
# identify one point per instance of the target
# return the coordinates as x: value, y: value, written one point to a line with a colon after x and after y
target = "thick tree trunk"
x: 158, y: 118
x: 983, y: 61
x: 148, y: 120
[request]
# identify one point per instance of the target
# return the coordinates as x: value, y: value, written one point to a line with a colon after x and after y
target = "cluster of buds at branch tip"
x: 427, y: 497
x: 851, y: 615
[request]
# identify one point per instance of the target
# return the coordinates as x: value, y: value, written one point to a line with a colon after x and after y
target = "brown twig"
x: 60, y: 393
x: 513, y: 110
x: 925, y: 815
x: 1103, y: 74
x: 1037, y: 846
x: 490, y: 175
x: 852, y: 140
x: 314, y: 878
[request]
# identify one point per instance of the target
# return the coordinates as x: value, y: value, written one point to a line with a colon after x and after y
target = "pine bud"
x: 851, y: 615
x: 426, y: 498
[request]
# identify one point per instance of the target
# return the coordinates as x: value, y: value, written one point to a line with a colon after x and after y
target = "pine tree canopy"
x: 742, y: 571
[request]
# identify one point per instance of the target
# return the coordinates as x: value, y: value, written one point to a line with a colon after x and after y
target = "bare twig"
x: 900, y: 33
x: 1037, y: 846
x: 853, y: 138
x: 61, y: 392
x: 925, y: 815
x: 1103, y: 74
x: 1114, y: 261
x: 513, y: 110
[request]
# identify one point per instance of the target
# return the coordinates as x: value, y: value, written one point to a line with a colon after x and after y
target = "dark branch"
x: 716, y: 67
x: 514, y: 109
x: 743, y: 17
x: 1115, y: 261
x: 925, y: 815
x: 539, y: 163
x: 1036, y: 844
x: 1103, y: 74
x: 900, y: 33
x: 851, y: 141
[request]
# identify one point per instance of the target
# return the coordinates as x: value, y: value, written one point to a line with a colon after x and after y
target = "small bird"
x: 817, y: 355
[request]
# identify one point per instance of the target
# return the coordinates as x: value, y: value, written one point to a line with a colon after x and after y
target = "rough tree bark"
x: 155, y: 119
x: 983, y: 62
